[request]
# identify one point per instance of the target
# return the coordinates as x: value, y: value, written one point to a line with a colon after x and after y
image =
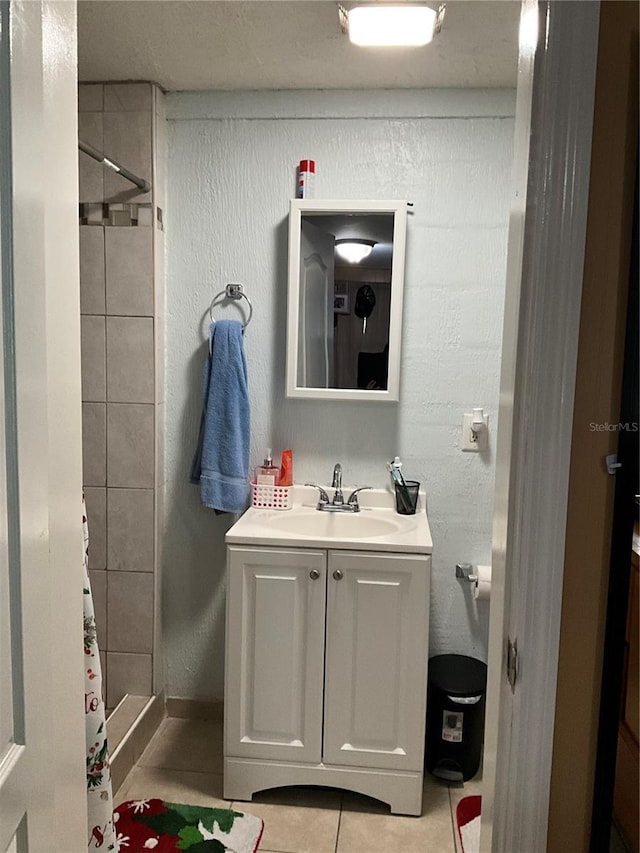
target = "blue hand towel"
x: 221, y: 461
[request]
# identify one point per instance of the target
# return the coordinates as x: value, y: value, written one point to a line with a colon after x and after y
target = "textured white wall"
x: 231, y: 174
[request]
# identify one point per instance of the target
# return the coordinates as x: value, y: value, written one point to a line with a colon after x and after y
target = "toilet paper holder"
x: 465, y: 571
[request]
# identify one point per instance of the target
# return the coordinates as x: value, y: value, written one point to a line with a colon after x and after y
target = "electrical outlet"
x: 474, y: 442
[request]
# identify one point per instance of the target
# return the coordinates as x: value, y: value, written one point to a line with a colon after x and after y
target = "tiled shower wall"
x: 122, y: 307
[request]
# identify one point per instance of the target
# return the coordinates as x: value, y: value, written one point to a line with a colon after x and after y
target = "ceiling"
x: 279, y: 44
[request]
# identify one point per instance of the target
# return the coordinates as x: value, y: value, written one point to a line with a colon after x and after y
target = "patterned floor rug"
x: 144, y: 825
x: 468, y: 820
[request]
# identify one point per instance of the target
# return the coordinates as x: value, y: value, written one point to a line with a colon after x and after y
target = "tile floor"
x: 183, y: 763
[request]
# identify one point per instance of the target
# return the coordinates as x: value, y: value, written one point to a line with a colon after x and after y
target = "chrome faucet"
x: 338, y: 498
x: 338, y: 504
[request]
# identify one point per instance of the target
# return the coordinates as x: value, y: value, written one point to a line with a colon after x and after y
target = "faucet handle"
x: 353, y: 497
x: 324, y: 497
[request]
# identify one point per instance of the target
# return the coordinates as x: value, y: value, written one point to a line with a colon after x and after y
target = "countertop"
x: 377, y: 527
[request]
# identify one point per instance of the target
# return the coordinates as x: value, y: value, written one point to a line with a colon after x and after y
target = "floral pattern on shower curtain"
x: 99, y: 797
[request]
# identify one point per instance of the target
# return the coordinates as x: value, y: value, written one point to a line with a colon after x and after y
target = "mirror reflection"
x: 344, y: 307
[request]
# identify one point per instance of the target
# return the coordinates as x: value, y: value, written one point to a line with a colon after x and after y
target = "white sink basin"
x: 366, y: 524
x: 377, y: 527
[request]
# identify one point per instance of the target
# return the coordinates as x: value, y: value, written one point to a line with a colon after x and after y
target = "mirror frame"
x: 299, y: 208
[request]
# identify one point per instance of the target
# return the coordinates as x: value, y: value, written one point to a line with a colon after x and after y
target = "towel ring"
x: 232, y: 291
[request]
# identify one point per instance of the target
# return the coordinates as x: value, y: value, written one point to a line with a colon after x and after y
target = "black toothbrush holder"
x: 407, y: 497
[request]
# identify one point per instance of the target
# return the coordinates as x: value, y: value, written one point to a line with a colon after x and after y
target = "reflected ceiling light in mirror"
x: 396, y: 25
x: 354, y: 250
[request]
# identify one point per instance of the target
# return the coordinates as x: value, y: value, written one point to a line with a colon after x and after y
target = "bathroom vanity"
x: 326, y: 650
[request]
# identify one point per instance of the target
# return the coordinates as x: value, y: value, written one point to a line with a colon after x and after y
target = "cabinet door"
x: 274, y: 653
x: 376, y: 659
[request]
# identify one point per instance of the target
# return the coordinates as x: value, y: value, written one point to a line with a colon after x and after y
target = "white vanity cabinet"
x: 326, y: 671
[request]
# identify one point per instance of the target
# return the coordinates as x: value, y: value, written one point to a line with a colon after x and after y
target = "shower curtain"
x: 102, y: 834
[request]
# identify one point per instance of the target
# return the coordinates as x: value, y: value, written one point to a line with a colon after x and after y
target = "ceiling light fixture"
x: 396, y: 25
x: 354, y: 250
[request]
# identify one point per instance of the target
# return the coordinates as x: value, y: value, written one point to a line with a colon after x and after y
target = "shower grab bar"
x: 145, y: 186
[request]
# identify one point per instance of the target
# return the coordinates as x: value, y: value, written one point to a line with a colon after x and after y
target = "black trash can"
x: 455, y: 716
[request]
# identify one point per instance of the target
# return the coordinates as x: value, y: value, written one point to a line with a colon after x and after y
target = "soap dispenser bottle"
x: 267, y: 474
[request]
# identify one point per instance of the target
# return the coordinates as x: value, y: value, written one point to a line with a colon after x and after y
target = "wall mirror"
x: 346, y: 277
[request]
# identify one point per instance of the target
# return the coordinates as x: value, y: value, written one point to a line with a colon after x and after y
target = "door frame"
x: 598, y: 393
x: 618, y: 598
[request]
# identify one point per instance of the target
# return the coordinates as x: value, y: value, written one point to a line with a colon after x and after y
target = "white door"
x: 275, y: 653
x: 554, y: 115
x: 42, y: 774
x: 376, y: 659
x: 315, y: 334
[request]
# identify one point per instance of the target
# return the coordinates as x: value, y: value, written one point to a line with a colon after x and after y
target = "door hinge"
x: 512, y: 663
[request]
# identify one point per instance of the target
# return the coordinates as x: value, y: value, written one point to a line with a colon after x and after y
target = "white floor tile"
x: 183, y: 763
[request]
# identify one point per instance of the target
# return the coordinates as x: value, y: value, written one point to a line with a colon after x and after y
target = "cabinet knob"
x: 338, y: 575
x: 314, y: 574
